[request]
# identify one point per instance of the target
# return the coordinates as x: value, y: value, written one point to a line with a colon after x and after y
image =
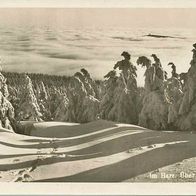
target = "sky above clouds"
x: 103, y: 17
x: 99, y: 3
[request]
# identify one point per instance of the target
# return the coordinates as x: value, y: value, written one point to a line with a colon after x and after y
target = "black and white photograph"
x: 98, y: 94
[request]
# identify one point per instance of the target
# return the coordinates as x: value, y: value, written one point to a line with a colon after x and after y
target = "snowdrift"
x: 99, y: 151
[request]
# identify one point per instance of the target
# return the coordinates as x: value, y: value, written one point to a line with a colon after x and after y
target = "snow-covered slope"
x: 99, y: 151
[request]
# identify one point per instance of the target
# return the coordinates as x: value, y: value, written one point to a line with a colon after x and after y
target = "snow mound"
x: 67, y: 129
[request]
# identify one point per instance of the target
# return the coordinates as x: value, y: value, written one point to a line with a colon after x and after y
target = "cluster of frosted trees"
x: 166, y: 103
x: 119, y: 102
x: 169, y: 103
x: 163, y: 103
x: 35, y: 96
x: 80, y: 103
x: 39, y: 97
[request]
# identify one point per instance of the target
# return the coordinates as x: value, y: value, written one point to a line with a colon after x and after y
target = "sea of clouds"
x: 64, y: 51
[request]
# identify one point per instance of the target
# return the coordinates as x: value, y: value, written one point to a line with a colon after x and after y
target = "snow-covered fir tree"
x: 6, y: 109
x: 29, y: 108
x: 83, y: 106
x: 173, y: 94
x: 154, y: 112
x: 61, y: 113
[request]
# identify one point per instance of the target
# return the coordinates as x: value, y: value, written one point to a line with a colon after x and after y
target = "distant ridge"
x: 162, y: 36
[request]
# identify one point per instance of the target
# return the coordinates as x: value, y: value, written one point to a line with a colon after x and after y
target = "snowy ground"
x: 99, y: 151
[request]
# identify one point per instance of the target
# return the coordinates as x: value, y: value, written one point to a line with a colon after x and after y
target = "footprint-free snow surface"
x: 99, y: 151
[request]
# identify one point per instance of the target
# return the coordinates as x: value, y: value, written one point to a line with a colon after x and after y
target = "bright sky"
x: 84, y: 17
x: 98, y: 3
